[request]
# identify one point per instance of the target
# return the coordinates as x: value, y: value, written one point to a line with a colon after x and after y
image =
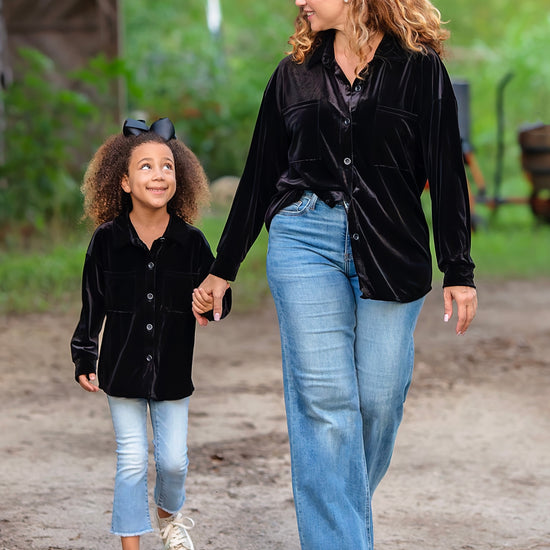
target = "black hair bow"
x: 162, y: 127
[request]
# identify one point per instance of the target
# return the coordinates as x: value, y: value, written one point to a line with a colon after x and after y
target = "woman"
x: 352, y: 125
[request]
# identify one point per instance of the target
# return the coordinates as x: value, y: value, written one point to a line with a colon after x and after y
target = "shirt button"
x: 150, y: 296
x: 347, y: 122
x: 149, y: 327
x: 347, y: 161
x: 150, y: 265
x: 149, y: 358
x: 357, y: 88
x: 355, y: 236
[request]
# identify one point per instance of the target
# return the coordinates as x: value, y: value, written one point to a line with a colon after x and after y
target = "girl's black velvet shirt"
x: 145, y: 297
x: 375, y: 144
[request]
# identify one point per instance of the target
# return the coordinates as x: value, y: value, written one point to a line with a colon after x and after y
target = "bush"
x: 51, y: 133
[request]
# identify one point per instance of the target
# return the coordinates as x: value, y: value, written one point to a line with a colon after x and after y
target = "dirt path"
x: 471, y: 468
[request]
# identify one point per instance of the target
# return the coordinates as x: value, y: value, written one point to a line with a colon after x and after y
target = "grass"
x: 251, y: 288
x: 508, y: 244
x: 513, y: 245
x: 48, y: 277
x: 40, y: 280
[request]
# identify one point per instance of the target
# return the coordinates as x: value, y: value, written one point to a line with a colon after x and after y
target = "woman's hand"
x: 466, y: 305
x: 85, y: 382
x: 208, y: 297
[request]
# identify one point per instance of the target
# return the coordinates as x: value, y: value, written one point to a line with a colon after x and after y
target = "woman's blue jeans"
x: 169, y: 421
x: 347, y: 367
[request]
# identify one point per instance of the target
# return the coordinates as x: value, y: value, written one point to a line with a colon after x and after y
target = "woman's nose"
x: 300, y: 2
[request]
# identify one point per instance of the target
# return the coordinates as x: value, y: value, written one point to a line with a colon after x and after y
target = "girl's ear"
x: 125, y: 184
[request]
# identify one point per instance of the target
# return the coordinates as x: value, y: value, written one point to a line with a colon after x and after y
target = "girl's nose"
x: 300, y: 2
x: 158, y: 173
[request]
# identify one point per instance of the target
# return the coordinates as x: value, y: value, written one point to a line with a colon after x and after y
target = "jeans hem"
x: 149, y: 530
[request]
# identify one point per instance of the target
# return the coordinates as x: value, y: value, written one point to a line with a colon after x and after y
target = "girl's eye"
x: 168, y: 166
x: 145, y: 166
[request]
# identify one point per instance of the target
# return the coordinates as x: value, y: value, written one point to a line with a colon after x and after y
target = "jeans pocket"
x: 306, y: 202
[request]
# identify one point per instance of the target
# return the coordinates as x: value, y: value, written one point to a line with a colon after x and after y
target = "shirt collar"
x: 124, y: 233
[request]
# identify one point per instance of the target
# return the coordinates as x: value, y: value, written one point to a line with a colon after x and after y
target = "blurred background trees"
x: 210, y: 84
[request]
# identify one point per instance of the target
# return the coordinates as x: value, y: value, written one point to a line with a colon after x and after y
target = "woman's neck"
x: 349, y: 60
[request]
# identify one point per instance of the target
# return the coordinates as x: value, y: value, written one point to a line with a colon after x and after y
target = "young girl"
x: 142, y: 190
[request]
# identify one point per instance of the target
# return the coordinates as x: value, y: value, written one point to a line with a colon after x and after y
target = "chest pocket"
x: 120, y: 291
x: 302, y: 124
x: 177, y: 291
x: 395, y: 137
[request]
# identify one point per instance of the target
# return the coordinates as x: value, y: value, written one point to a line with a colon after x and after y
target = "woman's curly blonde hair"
x: 104, y: 198
x: 416, y: 23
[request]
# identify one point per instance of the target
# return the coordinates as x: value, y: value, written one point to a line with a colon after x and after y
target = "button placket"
x: 149, y: 298
x: 347, y: 133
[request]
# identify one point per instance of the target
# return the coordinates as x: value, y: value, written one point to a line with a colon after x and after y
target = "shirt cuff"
x: 83, y: 366
x: 224, y: 268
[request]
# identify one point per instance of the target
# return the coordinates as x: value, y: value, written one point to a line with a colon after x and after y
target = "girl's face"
x: 151, y: 178
x: 324, y: 14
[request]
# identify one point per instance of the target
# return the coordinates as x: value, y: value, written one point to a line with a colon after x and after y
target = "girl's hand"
x: 214, y: 287
x: 86, y: 383
x: 466, y: 304
x: 202, y: 302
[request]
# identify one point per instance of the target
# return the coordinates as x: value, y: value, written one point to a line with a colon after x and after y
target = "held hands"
x: 466, y: 304
x: 86, y: 383
x: 208, y: 297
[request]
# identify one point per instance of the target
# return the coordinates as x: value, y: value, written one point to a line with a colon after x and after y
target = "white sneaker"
x: 174, y: 533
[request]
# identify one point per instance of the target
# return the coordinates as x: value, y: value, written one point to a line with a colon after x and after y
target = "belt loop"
x: 313, y: 202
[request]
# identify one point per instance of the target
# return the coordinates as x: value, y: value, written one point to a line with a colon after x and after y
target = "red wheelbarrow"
x: 534, y: 141
x: 535, y: 161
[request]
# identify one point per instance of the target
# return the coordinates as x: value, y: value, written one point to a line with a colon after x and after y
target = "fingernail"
x: 216, y: 316
x: 446, y: 317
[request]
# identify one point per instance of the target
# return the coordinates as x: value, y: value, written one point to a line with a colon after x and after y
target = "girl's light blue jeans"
x: 169, y: 422
x: 347, y: 367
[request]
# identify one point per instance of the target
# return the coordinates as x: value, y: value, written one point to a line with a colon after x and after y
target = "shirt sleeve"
x: 266, y: 161
x: 443, y: 159
x: 84, y: 343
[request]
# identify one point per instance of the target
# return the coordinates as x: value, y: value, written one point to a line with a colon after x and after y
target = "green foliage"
x: 489, y: 40
x: 209, y: 85
x: 37, y: 168
x: 49, y: 139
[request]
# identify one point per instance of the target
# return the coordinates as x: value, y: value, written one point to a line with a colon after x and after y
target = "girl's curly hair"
x: 104, y: 198
x: 416, y: 23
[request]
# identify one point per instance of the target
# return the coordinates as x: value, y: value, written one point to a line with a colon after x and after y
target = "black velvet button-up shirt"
x: 144, y: 296
x: 374, y: 143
